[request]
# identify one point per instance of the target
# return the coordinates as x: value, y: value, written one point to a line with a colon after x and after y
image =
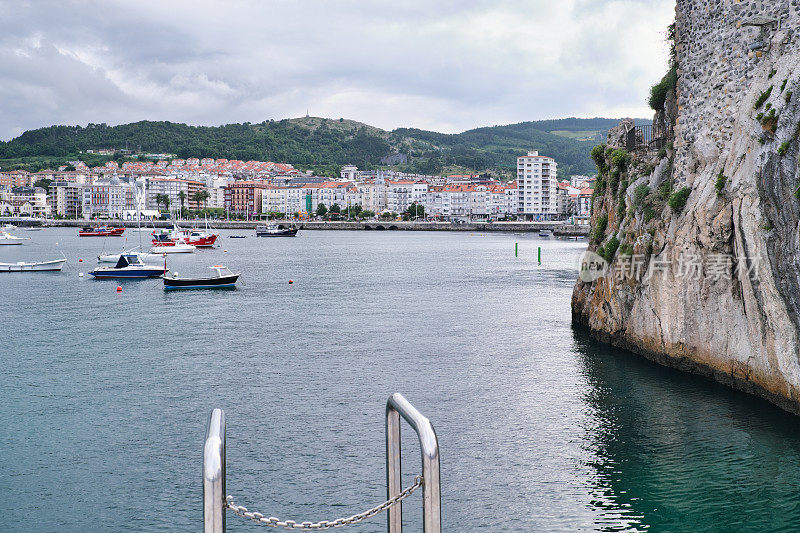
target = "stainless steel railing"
x: 397, y: 406
x: 214, y: 474
x: 216, y: 501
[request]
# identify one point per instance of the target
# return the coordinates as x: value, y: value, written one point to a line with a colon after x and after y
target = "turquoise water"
x: 105, y: 395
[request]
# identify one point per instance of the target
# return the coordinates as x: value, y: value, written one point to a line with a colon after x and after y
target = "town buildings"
x: 256, y: 188
x: 24, y: 201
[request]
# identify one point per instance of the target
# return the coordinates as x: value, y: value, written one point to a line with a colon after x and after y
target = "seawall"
x: 558, y: 229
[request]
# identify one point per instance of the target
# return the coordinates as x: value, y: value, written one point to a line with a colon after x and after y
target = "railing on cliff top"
x: 648, y: 137
x: 216, y: 500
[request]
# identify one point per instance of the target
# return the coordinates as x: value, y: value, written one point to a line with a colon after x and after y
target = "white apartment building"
x: 65, y: 198
x: 402, y: 193
x: 108, y: 199
x: 372, y: 196
x: 537, y: 187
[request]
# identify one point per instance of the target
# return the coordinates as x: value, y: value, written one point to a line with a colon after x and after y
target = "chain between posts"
x: 324, y: 524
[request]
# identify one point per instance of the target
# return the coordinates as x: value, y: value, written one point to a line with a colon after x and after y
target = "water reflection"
x: 674, y: 452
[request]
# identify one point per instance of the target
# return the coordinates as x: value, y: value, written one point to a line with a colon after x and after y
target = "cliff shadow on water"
x: 667, y: 447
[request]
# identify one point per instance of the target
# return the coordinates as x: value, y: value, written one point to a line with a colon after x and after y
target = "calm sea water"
x: 104, y: 396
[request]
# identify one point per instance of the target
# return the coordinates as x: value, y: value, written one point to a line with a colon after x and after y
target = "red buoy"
x: 119, y: 288
x: 290, y: 282
x: 80, y: 260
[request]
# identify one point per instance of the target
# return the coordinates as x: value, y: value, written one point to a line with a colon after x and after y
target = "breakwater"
x: 558, y: 228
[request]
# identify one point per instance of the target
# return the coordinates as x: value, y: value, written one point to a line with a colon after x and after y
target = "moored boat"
x: 101, y: 231
x: 7, y: 239
x: 172, y: 248
x: 129, y: 267
x: 276, y: 230
x: 195, y: 237
x: 224, y: 279
x: 36, y: 266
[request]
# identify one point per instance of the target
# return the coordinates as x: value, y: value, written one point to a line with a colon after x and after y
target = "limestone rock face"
x: 718, y: 290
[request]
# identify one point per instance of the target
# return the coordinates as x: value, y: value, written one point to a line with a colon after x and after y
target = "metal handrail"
x: 214, y: 490
x: 397, y: 406
x: 214, y: 474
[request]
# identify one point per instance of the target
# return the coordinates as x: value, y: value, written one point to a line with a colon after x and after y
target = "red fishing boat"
x: 195, y: 237
x: 101, y: 231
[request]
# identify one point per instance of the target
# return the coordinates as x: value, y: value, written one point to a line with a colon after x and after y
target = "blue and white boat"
x: 129, y: 266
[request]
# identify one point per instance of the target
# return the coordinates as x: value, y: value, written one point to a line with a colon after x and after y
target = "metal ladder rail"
x: 397, y: 406
x: 214, y: 490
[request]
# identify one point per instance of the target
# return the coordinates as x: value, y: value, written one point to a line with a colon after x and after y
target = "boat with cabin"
x: 101, y: 231
x: 224, y: 279
x: 276, y: 230
x: 196, y: 237
x: 129, y: 267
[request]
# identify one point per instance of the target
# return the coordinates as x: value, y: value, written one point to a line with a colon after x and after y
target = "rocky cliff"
x: 700, y: 221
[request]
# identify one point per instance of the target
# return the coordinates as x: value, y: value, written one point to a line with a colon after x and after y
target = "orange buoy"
x: 119, y: 288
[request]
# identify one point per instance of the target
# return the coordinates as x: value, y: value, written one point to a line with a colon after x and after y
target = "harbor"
x: 107, y: 394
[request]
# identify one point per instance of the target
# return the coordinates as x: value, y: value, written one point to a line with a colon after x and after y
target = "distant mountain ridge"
x: 316, y: 141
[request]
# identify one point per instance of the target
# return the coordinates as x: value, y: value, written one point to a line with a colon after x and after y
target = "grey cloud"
x: 449, y: 65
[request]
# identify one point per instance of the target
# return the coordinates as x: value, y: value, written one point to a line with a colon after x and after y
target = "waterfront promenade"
x: 558, y: 228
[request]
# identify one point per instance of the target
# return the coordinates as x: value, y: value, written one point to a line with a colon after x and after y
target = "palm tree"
x: 182, y: 197
x: 201, y: 196
x: 162, y: 199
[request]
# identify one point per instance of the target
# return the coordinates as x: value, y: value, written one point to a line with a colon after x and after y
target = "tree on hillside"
x: 322, y: 210
x: 44, y: 183
x: 335, y: 208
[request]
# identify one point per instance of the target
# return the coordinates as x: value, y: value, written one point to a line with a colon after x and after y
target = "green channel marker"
x: 516, y: 249
x: 540, y: 255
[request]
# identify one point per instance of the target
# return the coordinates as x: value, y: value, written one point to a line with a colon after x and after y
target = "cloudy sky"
x: 440, y: 65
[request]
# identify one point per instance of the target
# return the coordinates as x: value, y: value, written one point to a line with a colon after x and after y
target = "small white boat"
x: 177, y: 248
x: 6, y: 238
x: 41, y: 266
x: 9, y: 226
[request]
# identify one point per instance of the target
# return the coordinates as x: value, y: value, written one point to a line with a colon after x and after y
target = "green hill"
x: 320, y: 143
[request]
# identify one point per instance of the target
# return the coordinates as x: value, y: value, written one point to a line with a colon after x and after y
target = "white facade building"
x: 349, y: 172
x: 108, y: 199
x: 537, y: 187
